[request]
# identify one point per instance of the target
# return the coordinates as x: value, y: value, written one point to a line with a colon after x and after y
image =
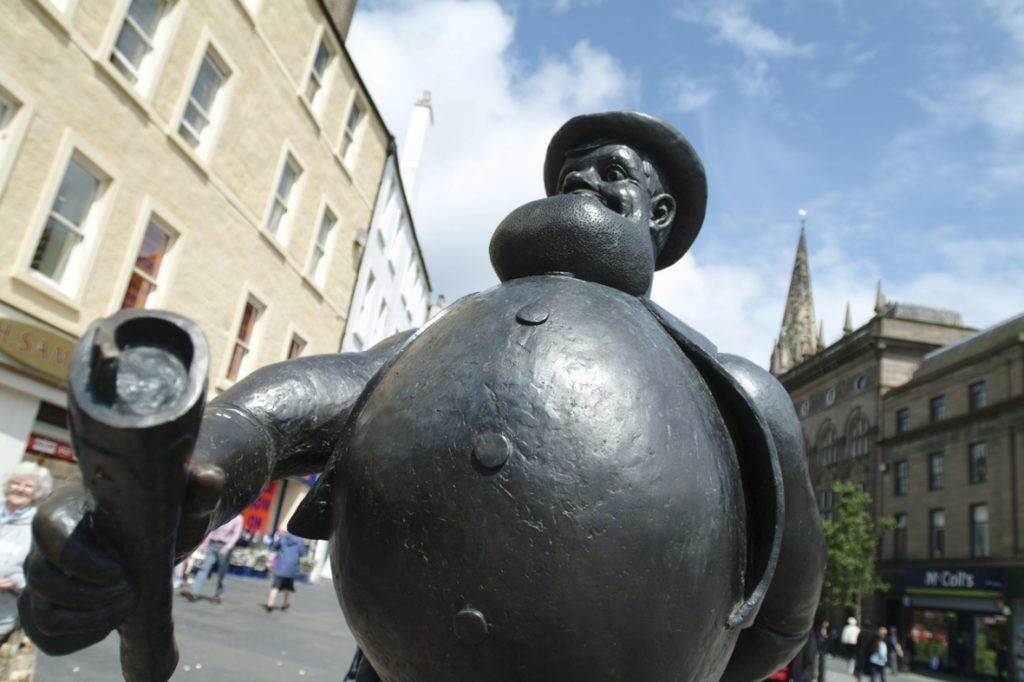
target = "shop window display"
x: 961, y: 643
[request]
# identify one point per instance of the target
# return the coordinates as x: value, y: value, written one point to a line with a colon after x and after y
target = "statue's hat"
x: 675, y: 158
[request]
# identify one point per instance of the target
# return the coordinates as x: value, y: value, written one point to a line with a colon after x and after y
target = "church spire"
x: 798, y: 338
x: 848, y: 323
x: 879, y: 299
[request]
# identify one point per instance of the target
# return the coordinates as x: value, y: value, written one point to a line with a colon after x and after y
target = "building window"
x: 977, y: 463
x: 936, y: 471
x: 244, y: 341
x: 827, y: 448
x: 348, y: 136
x: 296, y: 347
x: 860, y: 382
x: 979, y: 531
x: 59, y: 250
x: 903, y: 420
x: 902, y: 478
x: 978, y: 392
x: 937, y: 533
x: 899, y: 537
x: 8, y: 107
x: 830, y: 396
x: 199, y: 111
x: 134, y: 45
x: 317, y: 268
x: 145, y: 276
x: 282, y: 196
x: 825, y: 502
x: 938, y: 408
x: 805, y: 407
x: 857, y: 442
x: 318, y: 71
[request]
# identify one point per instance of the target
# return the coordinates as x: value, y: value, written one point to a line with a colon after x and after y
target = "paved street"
x: 236, y: 641
x: 836, y: 672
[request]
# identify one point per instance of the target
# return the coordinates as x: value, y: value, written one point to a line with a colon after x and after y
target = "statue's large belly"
x: 540, y: 488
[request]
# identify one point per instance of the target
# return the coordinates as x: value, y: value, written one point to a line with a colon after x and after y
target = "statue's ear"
x: 663, y: 213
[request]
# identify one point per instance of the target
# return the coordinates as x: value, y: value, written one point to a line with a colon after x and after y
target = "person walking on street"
x: 290, y: 548
x: 878, y: 657
x: 219, y: 544
x: 895, y: 650
x: 848, y: 640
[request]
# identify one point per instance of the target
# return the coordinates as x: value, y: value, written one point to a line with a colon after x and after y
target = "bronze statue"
x: 554, y: 479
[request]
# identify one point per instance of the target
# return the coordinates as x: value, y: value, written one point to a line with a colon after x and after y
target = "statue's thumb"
x: 202, y: 496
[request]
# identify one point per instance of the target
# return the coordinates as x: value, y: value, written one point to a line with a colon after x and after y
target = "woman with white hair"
x: 24, y: 485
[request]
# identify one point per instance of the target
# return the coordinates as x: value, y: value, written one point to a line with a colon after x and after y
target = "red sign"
x: 257, y: 515
x: 51, y: 448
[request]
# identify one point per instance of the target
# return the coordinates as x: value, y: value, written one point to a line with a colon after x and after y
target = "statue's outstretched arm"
x: 282, y: 420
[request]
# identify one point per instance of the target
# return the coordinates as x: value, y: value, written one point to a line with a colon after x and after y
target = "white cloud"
x: 689, y: 94
x: 733, y: 25
x: 494, y: 114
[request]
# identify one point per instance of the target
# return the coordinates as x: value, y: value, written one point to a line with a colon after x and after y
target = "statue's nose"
x: 580, y: 179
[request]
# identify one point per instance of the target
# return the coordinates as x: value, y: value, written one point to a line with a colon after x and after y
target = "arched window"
x: 827, y: 447
x: 857, y: 442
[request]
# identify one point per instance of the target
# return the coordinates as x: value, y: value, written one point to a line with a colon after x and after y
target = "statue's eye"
x: 614, y: 173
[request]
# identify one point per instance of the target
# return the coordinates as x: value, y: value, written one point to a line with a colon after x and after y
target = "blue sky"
x: 898, y: 126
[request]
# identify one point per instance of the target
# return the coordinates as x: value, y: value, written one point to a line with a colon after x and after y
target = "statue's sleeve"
x: 283, y: 420
x: 786, y: 615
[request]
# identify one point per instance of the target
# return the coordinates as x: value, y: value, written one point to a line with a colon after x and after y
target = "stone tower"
x: 798, y: 338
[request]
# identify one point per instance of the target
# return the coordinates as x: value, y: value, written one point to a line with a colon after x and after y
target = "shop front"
x: 959, y: 621
x: 34, y: 361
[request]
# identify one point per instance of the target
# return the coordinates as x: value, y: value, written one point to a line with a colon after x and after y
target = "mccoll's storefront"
x: 964, y: 620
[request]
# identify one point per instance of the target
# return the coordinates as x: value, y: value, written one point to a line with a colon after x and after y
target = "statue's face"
x: 606, y: 225
x: 620, y: 178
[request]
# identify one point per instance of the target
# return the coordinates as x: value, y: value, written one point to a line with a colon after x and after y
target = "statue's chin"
x: 574, y: 234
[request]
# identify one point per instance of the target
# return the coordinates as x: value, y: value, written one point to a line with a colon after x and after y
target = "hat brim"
x: 677, y: 162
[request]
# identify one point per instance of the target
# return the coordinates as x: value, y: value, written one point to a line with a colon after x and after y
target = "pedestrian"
x: 895, y: 650
x: 848, y: 641
x: 865, y: 639
x: 878, y: 656
x: 26, y: 484
x: 290, y: 548
x: 218, y: 545
x: 824, y: 644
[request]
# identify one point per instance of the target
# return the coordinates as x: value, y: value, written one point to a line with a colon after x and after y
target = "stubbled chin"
x: 574, y: 233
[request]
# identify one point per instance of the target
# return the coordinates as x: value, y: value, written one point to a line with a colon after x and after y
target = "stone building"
x: 217, y: 159
x: 926, y: 415
x: 952, y: 443
x: 837, y: 389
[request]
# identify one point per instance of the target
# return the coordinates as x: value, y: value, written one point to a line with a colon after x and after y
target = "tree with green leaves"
x: 851, y: 542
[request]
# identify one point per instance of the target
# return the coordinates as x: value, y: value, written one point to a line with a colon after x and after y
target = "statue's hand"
x: 77, y: 590
x: 202, y: 497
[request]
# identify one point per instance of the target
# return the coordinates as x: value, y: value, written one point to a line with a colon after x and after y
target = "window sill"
x: 344, y: 167
x: 308, y: 107
x: 43, y: 285
x: 278, y: 246
x: 139, y: 99
x: 61, y: 16
x: 190, y: 153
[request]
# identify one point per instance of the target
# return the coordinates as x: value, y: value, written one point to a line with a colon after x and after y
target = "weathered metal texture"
x: 550, y: 499
x: 137, y: 392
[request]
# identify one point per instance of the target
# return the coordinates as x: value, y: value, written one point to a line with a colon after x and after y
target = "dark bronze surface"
x: 554, y: 479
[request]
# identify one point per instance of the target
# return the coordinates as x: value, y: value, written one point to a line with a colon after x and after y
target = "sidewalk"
x: 836, y: 671
x: 236, y: 641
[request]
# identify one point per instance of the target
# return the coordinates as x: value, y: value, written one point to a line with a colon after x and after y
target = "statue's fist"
x: 77, y: 590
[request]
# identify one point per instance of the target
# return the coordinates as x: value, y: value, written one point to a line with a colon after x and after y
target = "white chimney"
x: 415, y: 139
